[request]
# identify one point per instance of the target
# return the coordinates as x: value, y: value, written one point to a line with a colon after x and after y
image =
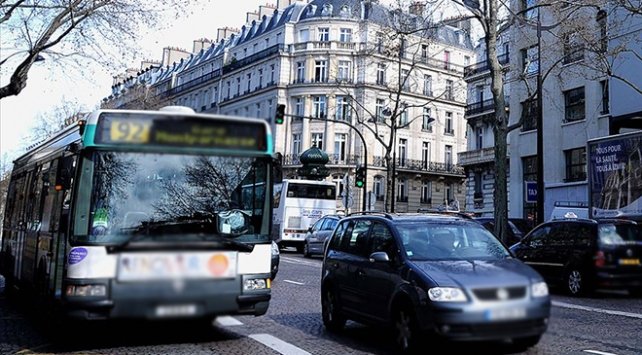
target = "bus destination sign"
x: 180, y: 131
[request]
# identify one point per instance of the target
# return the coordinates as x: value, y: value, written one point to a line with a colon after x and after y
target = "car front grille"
x: 493, y: 294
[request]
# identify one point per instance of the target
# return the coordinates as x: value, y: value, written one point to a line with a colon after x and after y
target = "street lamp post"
x: 540, y: 126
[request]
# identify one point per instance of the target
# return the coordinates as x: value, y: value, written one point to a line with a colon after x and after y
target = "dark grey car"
x: 317, y: 235
x: 430, y: 274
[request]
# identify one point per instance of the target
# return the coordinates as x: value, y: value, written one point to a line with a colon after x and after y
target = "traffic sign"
x: 531, y: 191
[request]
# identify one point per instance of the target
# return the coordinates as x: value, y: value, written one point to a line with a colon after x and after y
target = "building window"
x: 466, y: 60
x: 529, y: 115
x: 573, y: 48
x: 574, y: 104
x: 405, y: 80
x: 214, y: 97
x: 377, y: 188
x: 324, y: 34
x: 402, y: 48
x: 260, y: 78
x: 340, y: 146
x: 425, y: 120
x: 379, y: 106
x: 479, y: 141
x: 300, y: 72
x: 339, y: 182
x: 529, y: 173
x: 525, y: 5
x: 344, y: 70
x: 604, y: 37
x: 447, y: 60
x: 238, y: 86
x: 403, y: 118
x: 298, y: 108
x: 604, y: 85
x: 318, y: 106
x: 321, y: 71
x: 428, y: 85
x: 258, y: 110
x: 249, y: 82
x: 450, y: 193
x: 296, y: 143
x: 425, y: 155
x: 317, y: 140
x: 229, y: 89
x: 381, y: 74
x: 448, y: 156
x: 345, y: 35
x: 379, y: 42
x: 272, y: 72
x: 449, y: 90
x: 449, y: 124
x: 402, y: 152
x: 478, y: 186
x: 424, y: 51
x: 402, y: 190
x: 530, y: 61
x: 575, y: 164
x: 426, y: 191
x: 343, y: 108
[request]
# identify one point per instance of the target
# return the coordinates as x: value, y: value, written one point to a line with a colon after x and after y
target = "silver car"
x: 317, y: 235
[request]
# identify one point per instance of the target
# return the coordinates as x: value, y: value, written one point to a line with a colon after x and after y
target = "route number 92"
x: 129, y: 131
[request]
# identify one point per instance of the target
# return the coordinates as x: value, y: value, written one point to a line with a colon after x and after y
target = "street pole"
x: 394, y: 165
x: 540, y: 126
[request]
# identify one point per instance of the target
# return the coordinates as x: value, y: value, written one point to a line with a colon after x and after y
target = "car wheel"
x: 576, y: 282
x: 522, y: 344
x: 332, y: 319
x: 306, y: 250
x: 406, y: 330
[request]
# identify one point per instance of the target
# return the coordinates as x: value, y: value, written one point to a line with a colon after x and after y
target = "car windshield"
x: 620, y: 233
x: 444, y: 241
x: 176, y: 196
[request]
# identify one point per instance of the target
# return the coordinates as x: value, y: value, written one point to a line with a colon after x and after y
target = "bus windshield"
x: 317, y: 192
x: 176, y: 197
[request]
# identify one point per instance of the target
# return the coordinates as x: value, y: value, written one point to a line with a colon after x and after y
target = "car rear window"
x: 613, y: 233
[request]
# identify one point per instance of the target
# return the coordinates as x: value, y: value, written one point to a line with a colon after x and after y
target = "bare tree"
x: 492, y: 15
x: 399, y: 51
x: 50, y: 122
x: 71, y: 30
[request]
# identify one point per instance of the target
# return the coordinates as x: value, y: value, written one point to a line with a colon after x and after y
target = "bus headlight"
x: 86, y: 290
x: 255, y: 284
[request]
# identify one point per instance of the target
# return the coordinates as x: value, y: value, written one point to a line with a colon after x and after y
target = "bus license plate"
x: 505, y: 314
x: 176, y: 310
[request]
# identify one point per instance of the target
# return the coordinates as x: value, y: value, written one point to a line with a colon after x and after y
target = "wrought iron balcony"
x: 476, y: 108
x: 420, y: 165
x: 484, y: 65
x: 478, y: 156
x: 252, y: 58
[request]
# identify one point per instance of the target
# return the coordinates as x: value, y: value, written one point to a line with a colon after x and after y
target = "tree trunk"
x: 389, y: 184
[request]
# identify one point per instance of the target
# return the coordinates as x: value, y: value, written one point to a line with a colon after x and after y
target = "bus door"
x: 37, y: 193
x: 24, y: 225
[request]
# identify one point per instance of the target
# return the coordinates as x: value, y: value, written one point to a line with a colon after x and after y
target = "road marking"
x: 278, y: 344
x: 299, y: 262
x: 597, y: 310
x: 294, y: 282
x: 227, y: 321
x: 598, y: 352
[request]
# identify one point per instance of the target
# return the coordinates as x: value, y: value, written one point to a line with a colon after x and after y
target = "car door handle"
x: 361, y: 273
x: 334, y: 265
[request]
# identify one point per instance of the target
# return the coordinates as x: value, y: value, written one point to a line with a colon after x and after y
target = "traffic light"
x: 279, y: 117
x: 360, y: 177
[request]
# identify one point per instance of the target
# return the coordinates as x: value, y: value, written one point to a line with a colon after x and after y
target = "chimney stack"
x: 417, y: 8
x: 200, y: 44
x: 173, y: 54
x: 251, y: 16
x: 266, y: 10
x: 225, y: 32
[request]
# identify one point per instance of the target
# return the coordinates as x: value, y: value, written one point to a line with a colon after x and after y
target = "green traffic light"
x: 359, y: 183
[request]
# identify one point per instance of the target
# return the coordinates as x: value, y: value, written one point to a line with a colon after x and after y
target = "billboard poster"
x: 615, y: 175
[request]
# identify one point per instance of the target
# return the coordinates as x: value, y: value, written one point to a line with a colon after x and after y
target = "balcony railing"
x: 337, y: 159
x: 253, y: 58
x: 291, y: 159
x: 478, y: 156
x: 483, y: 66
x: 483, y: 106
x: 190, y: 84
x: 421, y: 165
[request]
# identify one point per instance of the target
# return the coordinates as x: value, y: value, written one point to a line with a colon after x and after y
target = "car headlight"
x: 539, y: 289
x: 446, y: 294
x: 275, y: 249
x: 86, y: 290
x: 256, y: 284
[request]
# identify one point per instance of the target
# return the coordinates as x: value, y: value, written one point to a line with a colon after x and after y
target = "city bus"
x: 141, y: 215
x: 297, y: 205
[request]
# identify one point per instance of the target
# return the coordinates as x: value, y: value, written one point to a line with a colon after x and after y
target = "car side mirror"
x: 310, y: 229
x: 380, y: 256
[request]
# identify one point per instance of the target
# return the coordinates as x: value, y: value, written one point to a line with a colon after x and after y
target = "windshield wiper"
x: 240, y: 246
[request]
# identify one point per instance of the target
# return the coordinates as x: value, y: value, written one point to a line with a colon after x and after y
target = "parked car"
x: 430, y: 274
x: 275, y: 260
x: 318, y: 233
x: 583, y: 254
x: 514, y: 233
x: 524, y: 225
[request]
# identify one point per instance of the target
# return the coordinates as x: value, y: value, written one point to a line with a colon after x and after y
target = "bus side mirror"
x: 65, y: 173
x: 277, y: 167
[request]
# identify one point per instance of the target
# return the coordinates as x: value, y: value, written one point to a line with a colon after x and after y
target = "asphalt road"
x: 605, y: 323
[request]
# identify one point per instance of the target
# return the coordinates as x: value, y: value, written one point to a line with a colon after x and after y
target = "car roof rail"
x: 446, y: 212
x: 363, y: 213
